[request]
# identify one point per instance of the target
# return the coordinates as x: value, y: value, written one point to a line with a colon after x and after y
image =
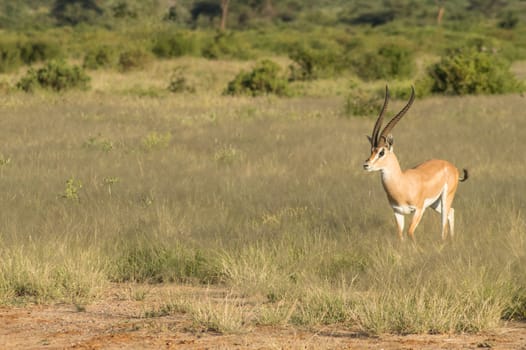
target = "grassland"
x: 264, y: 197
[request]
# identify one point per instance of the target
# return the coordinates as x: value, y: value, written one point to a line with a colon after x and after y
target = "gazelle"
x: 430, y: 184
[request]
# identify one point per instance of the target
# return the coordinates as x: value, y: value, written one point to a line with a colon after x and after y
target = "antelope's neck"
x: 392, y: 173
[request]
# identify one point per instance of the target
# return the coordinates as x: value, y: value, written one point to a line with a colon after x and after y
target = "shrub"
x: 312, y: 63
x: 469, y: 71
x: 265, y: 78
x: 362, y: 103
x: 56, y: 76
x: 225, y: 45
x: 179, y: 83
x: 508, y: 20
x: 38, y: 50
x: 153, y: 263
x: 168, y: 45
x: 15, y: 52
x: 133, y: 59
x: 388, y: 62
x: 9, y: 56
x: 101, y: 57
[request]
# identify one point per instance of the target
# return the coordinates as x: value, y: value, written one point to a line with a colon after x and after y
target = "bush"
x: 9, y: 56
x: 225, y: 45
x: 470, y: 71
x: 388, y: 62
x: 315, y: 61
x: 101, y: 57
x: 133, y: 59
x: 168, y: 45
x: 362, y: 103
x: 179, y: 83
x: 38, y: 50
x: 56, y: 76
x: 508, y: 20
x: 264, y: 79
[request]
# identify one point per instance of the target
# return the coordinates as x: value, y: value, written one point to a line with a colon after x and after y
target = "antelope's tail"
x: 465, y: 176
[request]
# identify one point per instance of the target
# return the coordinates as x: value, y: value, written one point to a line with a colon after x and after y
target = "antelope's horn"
x: 378, y: 124
x: 397, y: 117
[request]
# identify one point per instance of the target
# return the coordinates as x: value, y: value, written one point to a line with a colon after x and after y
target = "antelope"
x: 432, y: 183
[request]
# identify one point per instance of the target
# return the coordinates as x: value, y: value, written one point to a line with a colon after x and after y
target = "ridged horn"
x: 396, y: 118
x: 378, y: 124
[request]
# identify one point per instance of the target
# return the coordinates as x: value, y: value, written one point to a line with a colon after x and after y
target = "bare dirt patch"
x: 122, y: 319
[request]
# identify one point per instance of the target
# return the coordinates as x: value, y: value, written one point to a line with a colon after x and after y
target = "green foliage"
x: 205, y: 8
x: 470, y: 71
x: 226, y: 45
x: 265, y: 78
x: 176, y: 44
x: 72, y: 189
x: 122, y: 9
x: 9, y: 56
x: 388, y: 62
x: 101, y: 57
x: 15, y: 52
x: 360, y: 102
x: 73, y: 12
x: 156, y: 140
x: 310, y: 63
x: 153, y: 263
x: 508, y: 20
x: 56, y: 75
x: 37, y: 50
x: 134, y: 59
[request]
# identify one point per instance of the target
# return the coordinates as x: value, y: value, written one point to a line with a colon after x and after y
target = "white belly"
x: 403, y: 209
x: 408, y: 209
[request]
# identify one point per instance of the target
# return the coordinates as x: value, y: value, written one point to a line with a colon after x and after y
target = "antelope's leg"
x: 400, y: 223
x: 417, y: 216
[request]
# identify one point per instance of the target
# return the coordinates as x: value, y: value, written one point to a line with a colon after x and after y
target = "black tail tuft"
x: 465, y: 177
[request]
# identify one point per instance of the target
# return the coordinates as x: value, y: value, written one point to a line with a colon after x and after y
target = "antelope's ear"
x: 370, y: 139
x: 389, y: 140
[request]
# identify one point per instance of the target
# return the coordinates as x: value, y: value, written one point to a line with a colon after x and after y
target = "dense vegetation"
x: 367, y: 41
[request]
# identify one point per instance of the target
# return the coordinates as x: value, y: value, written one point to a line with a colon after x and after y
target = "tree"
x: 207, y: 8
x: 487, y: 7
x: 224, y: 13
x: 73, y: 12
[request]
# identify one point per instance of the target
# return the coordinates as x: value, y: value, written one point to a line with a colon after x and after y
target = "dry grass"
x: 266, y: 196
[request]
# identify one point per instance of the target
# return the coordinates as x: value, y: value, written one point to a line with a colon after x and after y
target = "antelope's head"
x: 382, y: 142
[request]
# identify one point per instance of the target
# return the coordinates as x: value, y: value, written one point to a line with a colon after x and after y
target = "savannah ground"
x: 118, y: 321
x: 132, y: 217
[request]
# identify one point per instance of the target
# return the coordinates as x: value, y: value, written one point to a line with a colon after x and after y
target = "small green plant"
x: 4, y: 161
x: 95, y: 142
x: 156, y: 140
x: 470, y: 71
x: 56, y: 76
x: 265, y: 78
x: 71, y: 192
x: 227, y: 154
x: 179, y: 83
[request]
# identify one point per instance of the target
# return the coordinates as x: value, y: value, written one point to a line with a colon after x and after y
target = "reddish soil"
x: 118, y: 322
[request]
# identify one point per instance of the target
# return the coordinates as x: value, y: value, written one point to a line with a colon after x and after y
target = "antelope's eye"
x: 381, y: 154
